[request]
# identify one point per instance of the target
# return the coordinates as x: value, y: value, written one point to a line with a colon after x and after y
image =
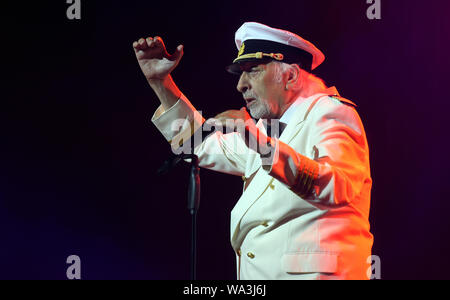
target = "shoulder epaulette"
x: 343, y: 100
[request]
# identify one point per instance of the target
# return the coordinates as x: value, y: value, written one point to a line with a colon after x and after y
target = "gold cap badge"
x: 241, y: 50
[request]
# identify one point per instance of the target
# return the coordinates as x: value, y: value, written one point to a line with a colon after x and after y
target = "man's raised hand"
x: 155, y: 62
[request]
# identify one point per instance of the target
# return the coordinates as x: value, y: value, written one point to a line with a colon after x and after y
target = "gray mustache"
x: 249, y: 95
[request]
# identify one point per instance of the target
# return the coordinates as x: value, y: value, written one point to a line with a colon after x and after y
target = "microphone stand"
x: 193, y: 200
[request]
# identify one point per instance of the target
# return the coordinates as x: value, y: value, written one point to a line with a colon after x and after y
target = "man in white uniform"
x: 305, y: 206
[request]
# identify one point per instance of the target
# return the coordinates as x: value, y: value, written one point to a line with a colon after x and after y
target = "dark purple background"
x: 79, y: 153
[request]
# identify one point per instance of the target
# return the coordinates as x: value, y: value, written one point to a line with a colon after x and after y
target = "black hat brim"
x: 236, y: 67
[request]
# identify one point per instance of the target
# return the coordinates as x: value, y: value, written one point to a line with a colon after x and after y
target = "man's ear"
x: 294, y: 76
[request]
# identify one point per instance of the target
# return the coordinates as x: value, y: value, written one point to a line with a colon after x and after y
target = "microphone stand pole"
x: 193, y: 205
x: 193, y: 200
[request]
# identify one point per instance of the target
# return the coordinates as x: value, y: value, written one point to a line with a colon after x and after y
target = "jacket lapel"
x: 262, y: 180
x: 301, y: 113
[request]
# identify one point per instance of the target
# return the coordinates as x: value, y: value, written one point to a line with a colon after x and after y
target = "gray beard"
x: 259, y: 111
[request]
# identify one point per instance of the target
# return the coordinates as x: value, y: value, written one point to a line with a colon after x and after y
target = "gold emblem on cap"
x: 241, y: 50
x: 260, y: 55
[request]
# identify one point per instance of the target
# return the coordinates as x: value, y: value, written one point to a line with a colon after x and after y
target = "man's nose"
x: 243, y: 84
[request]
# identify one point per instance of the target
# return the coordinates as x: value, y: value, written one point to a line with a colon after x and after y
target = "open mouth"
x: 249, y: 101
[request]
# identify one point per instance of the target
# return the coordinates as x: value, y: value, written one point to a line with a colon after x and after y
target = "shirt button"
x: 265, y: 224
x: 251, y: 255
x: 239, y: 252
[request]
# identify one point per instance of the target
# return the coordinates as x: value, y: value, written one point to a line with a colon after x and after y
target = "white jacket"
x: 278, y: 231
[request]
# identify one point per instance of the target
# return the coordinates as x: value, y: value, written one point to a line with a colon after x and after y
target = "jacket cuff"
x: 178, y: 122
x: 295, y: 170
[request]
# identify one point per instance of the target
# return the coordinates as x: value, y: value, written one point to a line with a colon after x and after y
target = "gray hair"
x: 307, y: 84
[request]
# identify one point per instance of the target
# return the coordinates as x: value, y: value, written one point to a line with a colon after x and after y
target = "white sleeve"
x: 339, y: 172
x: 226, y: 153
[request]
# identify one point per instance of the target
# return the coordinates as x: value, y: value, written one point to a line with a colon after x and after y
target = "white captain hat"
x: 259, y: 42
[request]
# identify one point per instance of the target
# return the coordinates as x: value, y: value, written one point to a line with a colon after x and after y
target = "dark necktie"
x: 274, y: 129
